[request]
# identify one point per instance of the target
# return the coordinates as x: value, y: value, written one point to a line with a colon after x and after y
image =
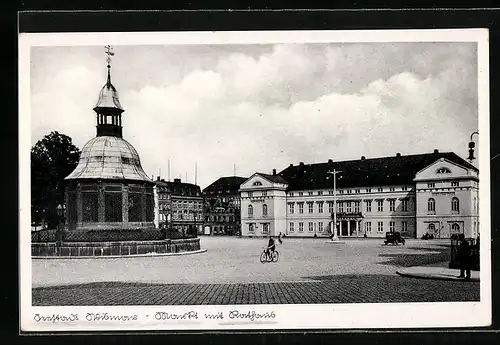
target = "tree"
x: 52, y: 159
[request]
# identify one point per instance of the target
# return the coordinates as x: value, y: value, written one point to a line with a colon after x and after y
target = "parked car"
x: 394, y: 238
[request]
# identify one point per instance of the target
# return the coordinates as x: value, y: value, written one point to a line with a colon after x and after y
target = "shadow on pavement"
x: 438, y: 254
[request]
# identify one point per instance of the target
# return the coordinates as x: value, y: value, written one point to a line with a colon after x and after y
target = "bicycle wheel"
x: 263, y: 257
x: 276, y: 256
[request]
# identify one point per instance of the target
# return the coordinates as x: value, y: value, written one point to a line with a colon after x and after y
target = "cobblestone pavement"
x: 336, y: 289
x: 309, y: 271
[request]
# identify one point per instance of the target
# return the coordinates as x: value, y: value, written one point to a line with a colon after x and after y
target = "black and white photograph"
x: 234, y: 180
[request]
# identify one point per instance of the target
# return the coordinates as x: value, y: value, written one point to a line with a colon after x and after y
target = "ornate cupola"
x: 108, y: 189
x: 108, y: 108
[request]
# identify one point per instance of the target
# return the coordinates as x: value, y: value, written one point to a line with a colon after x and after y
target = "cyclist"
x: 270, y: 247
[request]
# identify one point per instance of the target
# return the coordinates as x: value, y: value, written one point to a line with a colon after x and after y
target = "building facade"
x: 222, y: 206
x: 178, y: 206
x: 263, y: 205
x: 447, y: 199
x: 435, y: 193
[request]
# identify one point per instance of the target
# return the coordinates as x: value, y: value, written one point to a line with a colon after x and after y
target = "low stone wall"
x: 118, y: 248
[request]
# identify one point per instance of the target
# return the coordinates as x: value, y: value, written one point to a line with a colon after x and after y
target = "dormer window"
x: 444, y: 170
x: 257, y: 183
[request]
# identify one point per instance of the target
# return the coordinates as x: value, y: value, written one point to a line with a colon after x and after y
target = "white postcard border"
x: 272, y: 317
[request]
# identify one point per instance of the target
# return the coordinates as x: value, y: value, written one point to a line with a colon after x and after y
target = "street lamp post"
x: 169, y: 224
x: 60, y: 224
x: 194, y: 218
x: 334, y: 225
x: 471, y: 147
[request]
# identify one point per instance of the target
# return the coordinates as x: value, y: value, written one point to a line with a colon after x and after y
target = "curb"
x: 150, y: 255
x: 434, y: 277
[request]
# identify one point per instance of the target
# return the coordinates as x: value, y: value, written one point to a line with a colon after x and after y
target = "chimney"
x: 274, y: 171
x: 301, y: 164
x: 398, y: 154
x: 291, y: 165
x: 363, y: 158
x: 177, y: 180
x: 330, y: 161
x: 157, y: 178
x: 436, y: 151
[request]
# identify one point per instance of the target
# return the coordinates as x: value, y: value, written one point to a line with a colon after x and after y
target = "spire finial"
x: 109, y: 52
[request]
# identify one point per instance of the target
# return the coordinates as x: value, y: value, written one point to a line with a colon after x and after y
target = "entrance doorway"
x: 348, y: 228
x: 352, y: 224
x: 343, y: 227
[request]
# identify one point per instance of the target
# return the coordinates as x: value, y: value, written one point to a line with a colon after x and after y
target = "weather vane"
x: 109, y: 53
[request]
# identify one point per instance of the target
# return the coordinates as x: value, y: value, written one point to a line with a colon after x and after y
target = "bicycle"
x: 274, y: 257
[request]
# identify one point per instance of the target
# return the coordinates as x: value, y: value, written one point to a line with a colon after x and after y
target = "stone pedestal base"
x: 119, y: 248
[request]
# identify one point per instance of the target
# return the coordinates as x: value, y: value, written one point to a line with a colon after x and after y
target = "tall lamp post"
x: 335, y: 237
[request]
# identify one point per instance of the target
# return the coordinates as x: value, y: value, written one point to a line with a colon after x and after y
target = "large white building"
x: 435, y: 193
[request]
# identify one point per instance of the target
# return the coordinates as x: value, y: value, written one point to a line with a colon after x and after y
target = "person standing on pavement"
x: 464, y: 257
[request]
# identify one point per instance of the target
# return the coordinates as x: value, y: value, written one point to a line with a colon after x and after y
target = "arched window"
x: 455, y: 205
x: 431, y: 205
x: 455, y: 228
x: 444, y: 171
x: 250, y: 210
x: 264, y: 210
x: 431, y: 228
x: 257, y: 183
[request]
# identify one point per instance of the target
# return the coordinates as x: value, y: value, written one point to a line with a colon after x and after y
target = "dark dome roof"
x: 108, y: 157
x: 108, y: 97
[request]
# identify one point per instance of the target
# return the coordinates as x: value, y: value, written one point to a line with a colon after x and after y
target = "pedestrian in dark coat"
x: 464, y: 257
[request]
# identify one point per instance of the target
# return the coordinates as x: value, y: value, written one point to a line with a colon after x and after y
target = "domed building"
x: 109, y: 189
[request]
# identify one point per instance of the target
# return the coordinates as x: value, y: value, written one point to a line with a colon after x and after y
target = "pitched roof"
x: 395, y: 170
x: 274, y: 178
x: 180, y: 188
x: 225, y: 184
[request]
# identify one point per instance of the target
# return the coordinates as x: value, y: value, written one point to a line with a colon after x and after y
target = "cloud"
x: 287, y: 104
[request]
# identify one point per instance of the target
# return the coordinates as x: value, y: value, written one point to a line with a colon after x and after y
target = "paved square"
x: 309, y: 271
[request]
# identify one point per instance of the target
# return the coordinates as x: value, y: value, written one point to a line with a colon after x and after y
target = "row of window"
x: 221, y: 210
x: 330, y: 192
x: 186, y: 216
x: 265, y: 227
x: 166, y: 207
x: 184, y: 203
x: 455, y: 205
x: 351, y: 191
x: 320, y: 226
x: 250, y: 210
x: 392, y: 226
x: 357, y: 190
x: 452, y: 183
x: 348, y: 206
x: 220, y: 218
x: 455, y: 228
x: 312, y: 226
x: 263, y: 193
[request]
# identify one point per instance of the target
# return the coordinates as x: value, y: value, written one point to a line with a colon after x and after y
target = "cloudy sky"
x: 259, y: 107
